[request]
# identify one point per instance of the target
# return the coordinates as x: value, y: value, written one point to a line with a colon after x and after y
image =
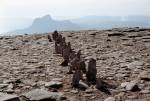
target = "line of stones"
x: 77, y: 64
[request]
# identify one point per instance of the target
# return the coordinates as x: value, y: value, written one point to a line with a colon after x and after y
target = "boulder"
x: 8, y: 97
x: 43, y: 95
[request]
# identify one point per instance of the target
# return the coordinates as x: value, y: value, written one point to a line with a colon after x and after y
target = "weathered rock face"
x: 92, y: 71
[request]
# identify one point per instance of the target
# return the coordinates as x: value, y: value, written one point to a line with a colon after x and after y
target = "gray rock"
x: 110, y: 99
x: 132, y: 97
x: 83, y: 85
x: 132, y: 86
x: 54, y: 84
x: 124, y: 84
x: 41, y: 95
x: 10, y: 90
x: 145, y: 75
x: 8, y: 97
x: 74, y: 91
x: 3, y: 85
x: 145, y: 91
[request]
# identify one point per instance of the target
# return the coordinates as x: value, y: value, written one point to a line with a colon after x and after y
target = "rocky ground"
x: 30, y: 69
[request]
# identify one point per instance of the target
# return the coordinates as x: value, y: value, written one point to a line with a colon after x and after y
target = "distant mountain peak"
x: 47, y: 24
x: 42, y: 20
x: 48, y: 17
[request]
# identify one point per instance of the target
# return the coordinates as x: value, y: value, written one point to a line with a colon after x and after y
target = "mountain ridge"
x: 46, y: 24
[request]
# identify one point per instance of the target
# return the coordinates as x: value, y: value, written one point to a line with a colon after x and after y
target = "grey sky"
x: 73, y: 8
x: 70, y: 8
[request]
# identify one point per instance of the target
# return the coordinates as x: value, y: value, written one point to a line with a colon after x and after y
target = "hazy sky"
x: 73, y: 8
x: 69, y: 8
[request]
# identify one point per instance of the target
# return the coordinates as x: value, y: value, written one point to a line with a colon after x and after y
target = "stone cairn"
x: 77, y: 65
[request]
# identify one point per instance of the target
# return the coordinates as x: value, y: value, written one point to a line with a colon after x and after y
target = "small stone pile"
x: 77, y: 65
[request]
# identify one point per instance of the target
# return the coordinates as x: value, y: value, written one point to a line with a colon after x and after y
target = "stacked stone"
x: 77, y: 64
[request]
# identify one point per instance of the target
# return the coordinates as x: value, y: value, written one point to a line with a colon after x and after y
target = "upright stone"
x: 59, y: 39
x: 58, y: 48
x: 82, y: 66
x: 55, y: 35
x: 76, y: 78
x: 92, y: 71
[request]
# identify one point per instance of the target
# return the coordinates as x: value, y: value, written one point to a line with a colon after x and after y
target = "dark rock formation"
x: 76, y: 78
x: 55, y: 35
x: 59, y: 39
x: 92, y: 71
x: 82, y: 66
x: 58, y: 48
x: 102, y: 86
x: 65, y: 62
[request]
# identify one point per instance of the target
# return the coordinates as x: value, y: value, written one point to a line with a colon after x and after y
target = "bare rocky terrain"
x: 30, y: 69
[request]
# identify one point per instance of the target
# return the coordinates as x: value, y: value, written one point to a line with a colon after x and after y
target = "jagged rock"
x: 82, y: 66
x: 58, y: 48
x: 63, y: 42
x: 43, y: 95
x: 78, y: 55
x: 76, y: 78
x: 55, y: 35
x: 92, y: 71
x: 66, y: 53
x: 59, y: 39
x: 8, y: 97
x: 72, y: 55
x: 74, y: 64
x: 69, y: 46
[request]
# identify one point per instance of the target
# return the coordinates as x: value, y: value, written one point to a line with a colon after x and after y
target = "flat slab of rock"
x: 54, y: 84
x: 42, y: 95
x: 110, y: 99
x: 116, y: 34
x: 145, y: 75
x: 8, y: 97
x: 130, y: 86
